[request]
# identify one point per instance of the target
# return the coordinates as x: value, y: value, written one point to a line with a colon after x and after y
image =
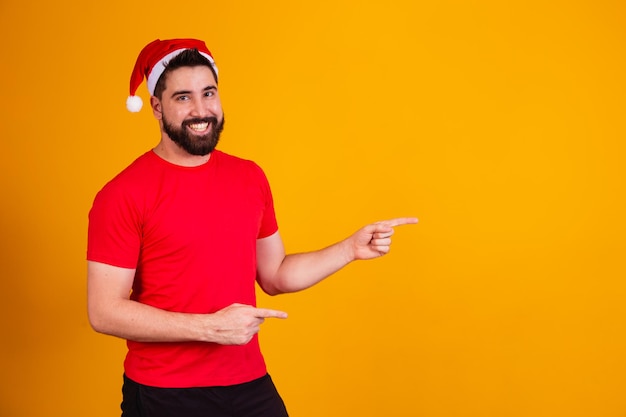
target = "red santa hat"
x: 151, y: 63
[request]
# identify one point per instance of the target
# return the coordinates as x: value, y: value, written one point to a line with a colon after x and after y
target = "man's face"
x: 191, y: 112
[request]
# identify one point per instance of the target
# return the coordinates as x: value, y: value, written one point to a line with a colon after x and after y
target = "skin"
x: 191, y: 92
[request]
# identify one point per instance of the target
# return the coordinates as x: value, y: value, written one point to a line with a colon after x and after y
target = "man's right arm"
x: 112, y: 312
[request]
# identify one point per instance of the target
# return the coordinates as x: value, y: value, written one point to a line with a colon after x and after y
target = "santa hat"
x: 151, y: 63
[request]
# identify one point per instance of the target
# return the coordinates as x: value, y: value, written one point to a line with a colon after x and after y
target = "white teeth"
x: 199, y: 126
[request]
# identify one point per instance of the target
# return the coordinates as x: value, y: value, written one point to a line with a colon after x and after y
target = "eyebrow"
x: 185, y: 92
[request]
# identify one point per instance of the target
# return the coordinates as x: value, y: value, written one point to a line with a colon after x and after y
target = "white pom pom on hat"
x: 134, y: 104
x: 151, y: 63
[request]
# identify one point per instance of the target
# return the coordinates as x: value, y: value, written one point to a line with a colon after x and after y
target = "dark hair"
x: 187, y: 58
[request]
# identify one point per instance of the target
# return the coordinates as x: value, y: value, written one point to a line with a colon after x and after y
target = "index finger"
x: 399, y: 221
x: 268, y: 313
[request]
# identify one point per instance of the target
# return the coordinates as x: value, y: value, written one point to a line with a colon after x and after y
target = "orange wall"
x: 499, y: 124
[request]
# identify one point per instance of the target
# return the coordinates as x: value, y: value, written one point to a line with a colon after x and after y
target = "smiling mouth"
x: 199, y: 127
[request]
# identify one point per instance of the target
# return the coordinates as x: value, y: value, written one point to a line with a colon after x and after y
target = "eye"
x: 182, y: 98
x: 209, y: 93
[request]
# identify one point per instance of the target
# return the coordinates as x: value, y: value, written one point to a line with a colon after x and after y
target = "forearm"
x: 112, y: 312
x: 302, y: 270
x: 131, y: 320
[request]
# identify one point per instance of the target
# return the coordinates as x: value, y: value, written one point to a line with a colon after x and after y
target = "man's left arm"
x: 279, y: 273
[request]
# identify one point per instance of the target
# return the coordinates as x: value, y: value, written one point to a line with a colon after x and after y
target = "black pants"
x: 257, y: 398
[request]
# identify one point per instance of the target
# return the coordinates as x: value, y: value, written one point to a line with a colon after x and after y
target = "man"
x: 176, y: 243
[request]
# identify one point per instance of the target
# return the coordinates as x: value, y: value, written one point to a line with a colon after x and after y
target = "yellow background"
x: 499, y: 124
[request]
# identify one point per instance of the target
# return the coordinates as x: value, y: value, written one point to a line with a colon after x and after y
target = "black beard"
x: 195, y: 145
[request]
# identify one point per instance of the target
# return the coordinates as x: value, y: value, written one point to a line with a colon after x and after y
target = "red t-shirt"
x: 190, y: 233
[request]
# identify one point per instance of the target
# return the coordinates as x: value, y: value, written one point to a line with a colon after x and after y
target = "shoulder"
x: 226, y: 158
x: 241, y: 165
x: 139, y: 169
x: 131, y: 179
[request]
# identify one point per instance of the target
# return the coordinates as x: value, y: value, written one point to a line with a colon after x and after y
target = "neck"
x: 173, y: 154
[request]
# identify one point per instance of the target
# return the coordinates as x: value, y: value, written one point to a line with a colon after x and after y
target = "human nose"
x: 198, y: 109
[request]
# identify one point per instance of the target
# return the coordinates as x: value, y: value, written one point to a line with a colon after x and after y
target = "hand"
x: 374, y: 240
x: 238, y: 323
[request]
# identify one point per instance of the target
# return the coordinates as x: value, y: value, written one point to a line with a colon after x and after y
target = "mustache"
x: 197, y: 120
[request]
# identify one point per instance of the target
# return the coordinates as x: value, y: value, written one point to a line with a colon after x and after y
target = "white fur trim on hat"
x: 159, y: 68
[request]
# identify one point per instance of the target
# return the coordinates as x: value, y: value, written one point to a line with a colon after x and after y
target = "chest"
x: 201, y: 211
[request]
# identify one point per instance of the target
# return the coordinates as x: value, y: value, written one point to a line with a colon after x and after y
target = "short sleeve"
x: 269, y: 224
x: 114, y: 233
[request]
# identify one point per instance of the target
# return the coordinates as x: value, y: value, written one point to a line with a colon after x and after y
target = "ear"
x: 157, y: 108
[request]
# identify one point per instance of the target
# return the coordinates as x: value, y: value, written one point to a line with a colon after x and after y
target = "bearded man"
x: 176, y: 243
